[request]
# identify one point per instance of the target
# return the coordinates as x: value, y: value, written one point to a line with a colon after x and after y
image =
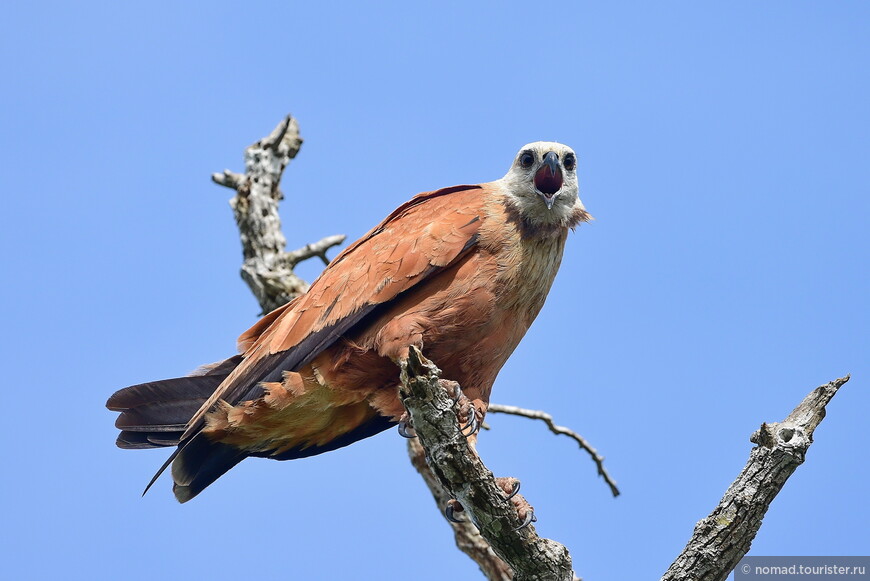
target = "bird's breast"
x: 527, y: 264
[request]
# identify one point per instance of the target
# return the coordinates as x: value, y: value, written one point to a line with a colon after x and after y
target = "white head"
x: 542, y: 185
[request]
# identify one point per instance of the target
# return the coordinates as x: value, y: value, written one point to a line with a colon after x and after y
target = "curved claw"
x: 514, y: 491
x: 473, y: 425
x: 530, y: 518
x: 406, y: 431
x: 450, y: 511
x: 457, y: 393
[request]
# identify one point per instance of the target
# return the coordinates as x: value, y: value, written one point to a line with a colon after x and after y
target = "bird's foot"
x: 470, y: 418
x: 452, y: 509
x: 511, y: 487
x: 405, y: 428
x: 452, y: 388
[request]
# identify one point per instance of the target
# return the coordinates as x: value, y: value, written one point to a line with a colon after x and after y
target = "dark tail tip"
x: 200, y: 462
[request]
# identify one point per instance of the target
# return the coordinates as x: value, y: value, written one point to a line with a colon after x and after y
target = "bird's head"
x: 542, y: 185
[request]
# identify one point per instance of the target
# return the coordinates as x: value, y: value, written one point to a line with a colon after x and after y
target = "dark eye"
x: 527, y: 158
x: 570, y: 162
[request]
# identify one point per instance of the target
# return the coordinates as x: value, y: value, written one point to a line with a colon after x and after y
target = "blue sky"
x: 723, y: 150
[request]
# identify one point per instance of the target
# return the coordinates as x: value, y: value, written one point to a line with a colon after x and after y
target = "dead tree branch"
x: 466, y: 535
x: 268, y: 268
x: 460, y: 471
x: 721, y: 539
x: 559, y: 430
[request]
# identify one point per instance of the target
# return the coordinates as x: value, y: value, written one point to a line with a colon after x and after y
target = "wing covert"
x: 423, y: 236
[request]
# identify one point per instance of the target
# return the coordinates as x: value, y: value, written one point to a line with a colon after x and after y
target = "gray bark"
x: 268, y: 267
x: 468, y: 538
x: 721, y: 539
x: 460, y: 471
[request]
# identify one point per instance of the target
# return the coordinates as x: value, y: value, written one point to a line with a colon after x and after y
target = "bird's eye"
x: 527, y: 159
x: 570, y: 162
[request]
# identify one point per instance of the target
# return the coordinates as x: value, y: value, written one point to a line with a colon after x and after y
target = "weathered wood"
x: 467, y: 537
x: 268, y: 267
x: 462, y: 473
x: 721, y: 539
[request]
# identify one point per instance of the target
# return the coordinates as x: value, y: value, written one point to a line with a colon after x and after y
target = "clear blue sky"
x: 723, y: 151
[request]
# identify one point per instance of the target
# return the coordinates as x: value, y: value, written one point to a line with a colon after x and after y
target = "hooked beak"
x: 548, y: 179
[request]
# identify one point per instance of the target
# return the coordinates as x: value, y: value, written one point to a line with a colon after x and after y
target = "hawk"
x: 459, y: 272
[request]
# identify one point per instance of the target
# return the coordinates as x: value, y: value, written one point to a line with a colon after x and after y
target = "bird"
x: 459, y: 273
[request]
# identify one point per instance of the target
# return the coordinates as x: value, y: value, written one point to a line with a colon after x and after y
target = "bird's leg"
x: 405, y: 428
x: 511, y: 487
x: 453, y: 389
x: 506, y: 481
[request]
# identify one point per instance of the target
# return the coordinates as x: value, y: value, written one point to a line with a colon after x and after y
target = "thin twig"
x: 318, y: 249
x: 559, y: 430
x: 228, y: 179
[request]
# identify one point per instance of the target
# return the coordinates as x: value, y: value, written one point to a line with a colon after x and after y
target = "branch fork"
x: 268, y: 267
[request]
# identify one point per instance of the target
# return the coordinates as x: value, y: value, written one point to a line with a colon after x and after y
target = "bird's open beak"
x: 548, y: 179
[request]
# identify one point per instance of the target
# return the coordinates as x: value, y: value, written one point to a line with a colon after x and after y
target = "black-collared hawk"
x: 459, y: 272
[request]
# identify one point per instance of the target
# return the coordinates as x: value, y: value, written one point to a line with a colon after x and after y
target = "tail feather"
x: 157, y: 407
x: 155, y: 415
x: 143, y: 441
x: 159, y: 416
x: 199, y: 462
x: 165, y: 439
x: 200, y: 383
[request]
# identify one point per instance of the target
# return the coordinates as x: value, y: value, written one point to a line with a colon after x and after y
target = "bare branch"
x: 559, y: 430
x: 721, y: 539
x: 467, y: 537
x: 318, y: 249
x: 228, y: 179
x: 284, y: 140
x: 268, y: 268
x: 462, y: 473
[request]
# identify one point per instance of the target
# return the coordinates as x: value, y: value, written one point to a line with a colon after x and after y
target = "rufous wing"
x: 419, y: 239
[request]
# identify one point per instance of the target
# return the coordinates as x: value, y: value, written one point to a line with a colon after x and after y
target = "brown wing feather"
x: 248, y: 338
x: 432, y: 230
